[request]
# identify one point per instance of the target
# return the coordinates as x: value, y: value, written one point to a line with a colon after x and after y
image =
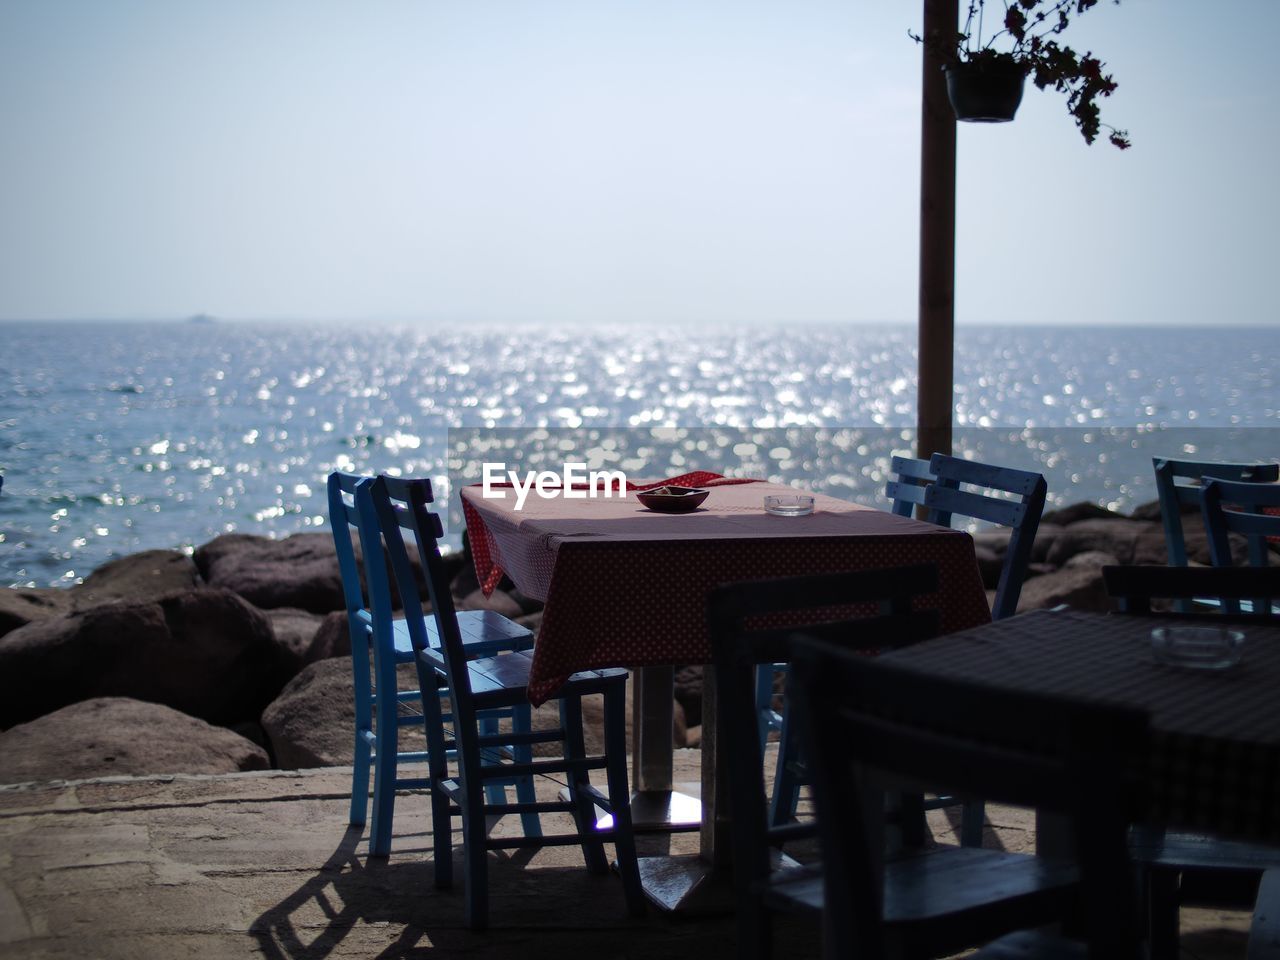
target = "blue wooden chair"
x: 1234, y: 507
x: 948, y: 497
x: 1178, y: 484
x: 906, y: 491
x: 500, y: 682
x: 376, y: 633
x: 943, y: 487
x: 872, y: 725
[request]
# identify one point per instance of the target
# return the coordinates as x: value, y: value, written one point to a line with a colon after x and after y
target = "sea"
x: 117, y: 437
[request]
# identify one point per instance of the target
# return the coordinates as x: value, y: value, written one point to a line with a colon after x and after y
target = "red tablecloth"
x: 624, y: 586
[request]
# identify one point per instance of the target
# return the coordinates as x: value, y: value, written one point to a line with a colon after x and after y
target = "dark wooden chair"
x: 906, y: 492
x: 751, y: 624
x: 1178, y: 485
x: 873, y: 725
x: 1264, y: 931
x: 1176, y: 863
x: 382, y: 709
x: 497, y: 682
x: 1136, y: 588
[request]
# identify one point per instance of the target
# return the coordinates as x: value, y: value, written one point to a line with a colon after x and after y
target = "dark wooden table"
x: 1215, y: 763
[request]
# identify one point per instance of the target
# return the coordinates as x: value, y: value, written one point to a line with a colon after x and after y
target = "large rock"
x: 299, y: 571
x: 110, y: 736
x: 1152, y: 547
x: 990, y: 565
x: 333, y: 639
x: 1077, y: 512
x: 688, y: 692
x: 1151, y: 510
x: 1046, y: 535
x: 1118, y: 537
x: 205, y: 652
x: 312, y: 722
x: 997, y: 541
x: 1079, y: 586
x: 22, y: 605
x: 295, y: 631
x: 140, y: 576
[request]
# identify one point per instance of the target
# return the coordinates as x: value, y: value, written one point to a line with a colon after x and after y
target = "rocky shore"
x: 237, y: 657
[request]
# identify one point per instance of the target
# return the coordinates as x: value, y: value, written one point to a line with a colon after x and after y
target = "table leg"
x: 697, y: 884
x: 655, y: 804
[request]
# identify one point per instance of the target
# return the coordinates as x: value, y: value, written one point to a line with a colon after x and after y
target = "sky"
x: 665, y: 161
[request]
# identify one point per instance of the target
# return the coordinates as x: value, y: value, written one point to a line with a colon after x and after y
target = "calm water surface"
x: 120, y: 437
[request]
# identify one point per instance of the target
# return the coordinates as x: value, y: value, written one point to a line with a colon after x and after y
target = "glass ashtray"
x: 788, y: 505
x: 1201, y: 648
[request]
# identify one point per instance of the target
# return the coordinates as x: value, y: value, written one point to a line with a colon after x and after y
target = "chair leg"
x: 522, y: 722
x: 360, y: 780
x: 475, y: 829
x: 786, y: 786
x: 1163, y: 912
x: 972, y: 818
x: 476, y: 856
x: 363, y: 750
x: 755, y: 930
x: 438, y: 770
x: 385, y: 754
x: 583, y: 809
x: 493, y: 792
x: 624, y: 841
x: 764, y: 700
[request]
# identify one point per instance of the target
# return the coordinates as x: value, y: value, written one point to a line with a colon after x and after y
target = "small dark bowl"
x: 672, y: 499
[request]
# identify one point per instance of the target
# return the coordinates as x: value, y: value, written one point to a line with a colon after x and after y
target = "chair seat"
x: 944, y: 883
x: 1197, y: 851
x: 483, y: 632
x: 1027, y: 944
x: 1246, y: 606
x: 504, y: 680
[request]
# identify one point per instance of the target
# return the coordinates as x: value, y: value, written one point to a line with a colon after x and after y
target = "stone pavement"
x: 263, y: 864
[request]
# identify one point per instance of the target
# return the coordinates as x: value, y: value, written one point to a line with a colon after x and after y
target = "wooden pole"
x: 935, y: 405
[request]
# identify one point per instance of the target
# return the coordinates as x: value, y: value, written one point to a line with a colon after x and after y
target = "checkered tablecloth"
x: 624, y: 586
x: 1215, y: 763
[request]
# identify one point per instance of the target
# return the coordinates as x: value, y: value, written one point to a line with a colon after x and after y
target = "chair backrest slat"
x: 872, y: 724
x: 907, y: 491
x: 1022, y: 516
x: 1178, y: 485
x: 1238, y: 507
x: 1007, y: 513
x: 403, y: 504
x: 368, y: 598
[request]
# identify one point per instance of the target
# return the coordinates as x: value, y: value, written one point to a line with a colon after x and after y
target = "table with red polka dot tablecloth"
x: 624, y: 586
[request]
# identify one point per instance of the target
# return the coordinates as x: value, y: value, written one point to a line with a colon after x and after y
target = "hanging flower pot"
x: 988, y: 61
x: 986, y: 89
